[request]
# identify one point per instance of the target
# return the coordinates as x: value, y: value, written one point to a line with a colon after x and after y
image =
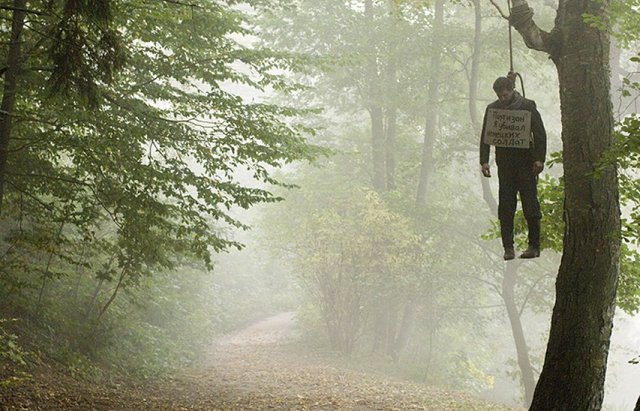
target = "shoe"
x: 509, y: 254
x: 531, y: 252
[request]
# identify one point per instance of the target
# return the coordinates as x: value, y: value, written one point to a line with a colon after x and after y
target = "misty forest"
x: 280, y: 205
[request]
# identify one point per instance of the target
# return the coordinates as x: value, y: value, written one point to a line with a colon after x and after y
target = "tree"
x: 74, y: 43
x: 142, y: 169
x: 575, y: 362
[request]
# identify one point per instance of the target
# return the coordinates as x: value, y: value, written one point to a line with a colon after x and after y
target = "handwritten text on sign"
x: 508, y: 128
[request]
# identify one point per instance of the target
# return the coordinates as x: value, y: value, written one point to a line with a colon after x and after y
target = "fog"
x: 283, y: 208
x: 429, y: 305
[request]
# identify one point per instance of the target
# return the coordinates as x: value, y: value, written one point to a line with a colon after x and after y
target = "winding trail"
x: 261, y: 368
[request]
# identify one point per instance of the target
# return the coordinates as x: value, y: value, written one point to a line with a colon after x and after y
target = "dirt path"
x: 258, y: 368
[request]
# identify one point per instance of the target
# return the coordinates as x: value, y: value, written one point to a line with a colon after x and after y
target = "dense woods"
x: 170, y: 170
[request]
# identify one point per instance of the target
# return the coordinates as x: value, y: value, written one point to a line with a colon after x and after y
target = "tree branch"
x: 30, y: 11
x: 504, y: 16
x: 181, y: 3
x: 522, y: 20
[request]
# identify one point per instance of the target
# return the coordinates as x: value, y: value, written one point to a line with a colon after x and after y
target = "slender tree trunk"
x: 475, y: 68
x: 406, y: 325
x: 391, y: 96
x: 508, y: 296
x: 94, y: 298
x: 390, y: 160
x: 510, y: 275
x: 576, y: 359
x: 10, y: 84
x: 47, y: 270
x: 433, y: 96
x: 487, y: 194
x: 374, y: 105
x: 622, y: 105
x: 123, y: 274
x: 378, y: 147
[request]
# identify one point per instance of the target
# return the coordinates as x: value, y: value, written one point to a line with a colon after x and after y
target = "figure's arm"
x: 539, y: 140
x: 484, y: 148
x: 539, y: 136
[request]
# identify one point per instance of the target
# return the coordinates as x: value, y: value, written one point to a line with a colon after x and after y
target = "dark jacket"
x: 536, y: 152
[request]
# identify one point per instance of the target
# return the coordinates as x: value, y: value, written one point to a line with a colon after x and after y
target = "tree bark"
x: 637, y: 408
x: 391, y: 94
x: 406, y: 325
x: 433, y: 96
x: 378, y: 147
x: 487, y: 194
x: 9, y: 94
x: 508, y: 296
x: 374, y: 106
x: 576, y: 358
x: 390, y: 139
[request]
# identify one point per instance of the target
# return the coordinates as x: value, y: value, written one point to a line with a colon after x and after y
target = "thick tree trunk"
x: 433, y: 96
x: 508, y: 296
x: 575, y: 363
x: 637, y: 408
x: 9, y: 94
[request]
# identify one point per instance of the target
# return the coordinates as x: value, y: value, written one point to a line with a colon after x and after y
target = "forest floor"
x: 257, y: 368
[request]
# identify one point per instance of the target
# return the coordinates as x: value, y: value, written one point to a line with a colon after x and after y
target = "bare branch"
x: 529, y: 292
x: 504, y: 16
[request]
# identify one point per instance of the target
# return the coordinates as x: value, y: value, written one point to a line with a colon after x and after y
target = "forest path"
x: 260, y: 367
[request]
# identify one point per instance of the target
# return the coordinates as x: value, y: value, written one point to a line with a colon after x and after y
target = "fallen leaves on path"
x: 256, y: 369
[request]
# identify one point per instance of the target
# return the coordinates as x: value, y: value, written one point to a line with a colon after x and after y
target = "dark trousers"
x: 515, y: 176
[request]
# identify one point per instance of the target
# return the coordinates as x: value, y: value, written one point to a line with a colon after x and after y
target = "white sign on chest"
x: 508, y: 128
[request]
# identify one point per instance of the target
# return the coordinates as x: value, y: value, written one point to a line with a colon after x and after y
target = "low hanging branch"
x: 522, y: 20
x: 181, y: 3
x: 25, y: 10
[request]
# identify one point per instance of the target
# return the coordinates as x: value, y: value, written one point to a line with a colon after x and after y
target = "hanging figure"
x: 510, y: 123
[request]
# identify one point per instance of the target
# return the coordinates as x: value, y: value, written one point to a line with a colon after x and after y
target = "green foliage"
x: 11, y: 350
x: 352, y: 256
x: 625, y: 20
x: 83, y: 47
x: 12, y: 356
x: 158, y: 326
x: 150, y: 172
x: 139, y: 129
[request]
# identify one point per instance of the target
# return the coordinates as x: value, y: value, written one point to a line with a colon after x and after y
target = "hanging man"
x: 518, y: 163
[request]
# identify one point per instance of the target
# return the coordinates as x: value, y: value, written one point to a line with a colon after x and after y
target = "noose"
x: 513, y: 20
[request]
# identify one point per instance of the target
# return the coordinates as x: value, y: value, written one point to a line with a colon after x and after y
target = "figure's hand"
x: 538, y: 166
x: 486, y: 171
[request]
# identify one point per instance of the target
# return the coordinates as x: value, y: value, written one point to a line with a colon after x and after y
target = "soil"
x: 257, y: 368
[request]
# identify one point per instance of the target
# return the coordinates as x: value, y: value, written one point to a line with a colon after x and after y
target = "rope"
x: 510, y: 38
x: 512, y: 73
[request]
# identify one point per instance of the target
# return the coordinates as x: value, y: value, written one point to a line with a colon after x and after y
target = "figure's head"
x: 503, y: 87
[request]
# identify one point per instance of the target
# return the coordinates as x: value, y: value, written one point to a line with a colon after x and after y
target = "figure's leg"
x: 507, y: 195
x: 531, y: 209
